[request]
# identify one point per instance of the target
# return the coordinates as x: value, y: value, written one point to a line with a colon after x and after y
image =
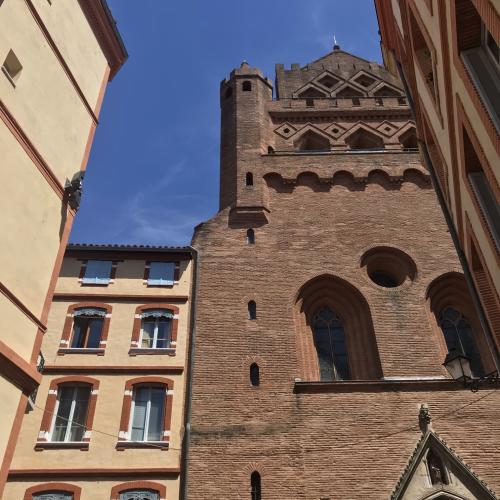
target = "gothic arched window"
x: 255, y: 486
x: 458, y: 335
x: 329, y: 340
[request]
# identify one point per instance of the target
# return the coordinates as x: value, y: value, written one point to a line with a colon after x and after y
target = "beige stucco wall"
x: 10, y: 401
x: 44, y: 101
x: 129, y: 279
x: 91, y: 490
x: 31, y: 218
x: 76, y: 41
x: 102, y: 451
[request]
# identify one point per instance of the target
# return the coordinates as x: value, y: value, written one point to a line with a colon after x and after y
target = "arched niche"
x: 312, y: 141
x: 364, y: 139
x: 347, y: 302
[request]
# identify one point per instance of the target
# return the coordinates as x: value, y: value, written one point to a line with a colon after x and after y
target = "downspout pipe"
x: 454, y: 236
x: 186, y: 440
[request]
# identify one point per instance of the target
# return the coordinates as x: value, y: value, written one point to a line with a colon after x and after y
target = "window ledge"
x: 76, y: 350
x: 396, y: 384
x: 159, y: 445
x: 59, y: 445
x: 138, y: 351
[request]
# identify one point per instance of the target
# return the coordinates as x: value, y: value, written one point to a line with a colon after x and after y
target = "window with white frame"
x: 97, y: 272
x: 139, y: 495
x: 87, y: 328
x: 156, y: 329
x: 70, y: 413
x: 161, y: 273
x: 147, y: 413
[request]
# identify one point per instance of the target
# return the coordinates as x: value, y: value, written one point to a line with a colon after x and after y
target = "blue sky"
x: 153, y: 172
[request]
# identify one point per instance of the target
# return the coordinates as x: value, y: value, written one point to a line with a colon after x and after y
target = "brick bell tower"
x: 328, y: 296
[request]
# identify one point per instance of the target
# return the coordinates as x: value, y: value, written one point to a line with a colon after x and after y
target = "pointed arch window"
x: 329, y: 340
x: 255, y: 486
x: 459, y: 336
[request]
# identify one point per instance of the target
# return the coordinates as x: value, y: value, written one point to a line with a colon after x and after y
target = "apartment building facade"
x: 329, y: 294
x: 448, y: 54
x: 56, y: 59
x: 107, y: 421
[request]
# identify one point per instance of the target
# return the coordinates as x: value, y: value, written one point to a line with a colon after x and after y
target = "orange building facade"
x: 107, y: 420
x: 448, y: 55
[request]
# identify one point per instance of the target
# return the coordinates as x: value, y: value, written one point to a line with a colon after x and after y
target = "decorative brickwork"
x: 324, y: 222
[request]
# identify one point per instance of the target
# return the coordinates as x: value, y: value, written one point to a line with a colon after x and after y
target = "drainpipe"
x: 454, y: 236
x: 183, y: 494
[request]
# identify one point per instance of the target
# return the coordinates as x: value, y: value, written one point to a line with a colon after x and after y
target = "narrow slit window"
x: 250, y: 237
x: 249, y: 179
x: 252, y: 310
x: 254, y: 374
x: 255, y: 486
x: 247, y: 86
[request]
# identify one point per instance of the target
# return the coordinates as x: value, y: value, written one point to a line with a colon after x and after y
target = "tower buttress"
x: 244, y: 130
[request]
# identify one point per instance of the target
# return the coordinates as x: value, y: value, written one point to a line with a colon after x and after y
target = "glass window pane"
x: 80, y: 413
x: 324, y: 349
x: 141, y: 395
x: 139, y: 495
x: 53, y: 495
x: 97, y: 271
x: 163, y: 335
x: 80, y: 326
x: 156, y: 414
x: 148, y: 329
x: 161, y: 273
x: 63, y: 413
x: 95, y: 331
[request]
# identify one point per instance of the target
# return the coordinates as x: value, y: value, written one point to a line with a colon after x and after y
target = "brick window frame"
x: 491, y: 20
x: 413, y: 14
x: 473, y: 141
x: 150, y: 485
x: 76, y: 491
x: 48, y: 415
x: 450, y: 290
x: 177, y: 273
x: 123, y: 436
x: 349, y: 303
x: 136, y: 330
x: 483, y: 281
x: 68, y: 330
x: 112, y: 275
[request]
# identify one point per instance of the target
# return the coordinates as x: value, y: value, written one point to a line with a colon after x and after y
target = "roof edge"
x: 103, y: 25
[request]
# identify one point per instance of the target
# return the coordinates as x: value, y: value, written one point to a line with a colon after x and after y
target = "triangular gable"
x: 458, y: 481
x: 358, y: 90
x: 334, y: 54
x: 309, y: 127
x: 383, y: 84
x: 363, y: 73
x: 312, y: 86
x: 362, y: 125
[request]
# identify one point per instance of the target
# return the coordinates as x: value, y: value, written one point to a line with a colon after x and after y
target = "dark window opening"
x: 246, y: 86
x: 250, y: 237
x: 437, y: 472
x: 328, y: 81
x: 270, y: 149
x: 365, y: 80
x: 310, y: 103
x: 364, y: 140
x: 329, y: 340
x: 255, y: 486
x: 402, y: 101
x: 379, y: 101
x: 252, y: 310
x: 87, y: 332
x: 355, y: 101
x: 249, y: 179
x: 312, y: 141
x: 384, y: 279
x: 254, y: 374
x: 458, y: 334
x: 409, y: 139
x: 229, y: 92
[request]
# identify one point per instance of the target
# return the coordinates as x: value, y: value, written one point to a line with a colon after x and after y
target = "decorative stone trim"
x: 76, y: 491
